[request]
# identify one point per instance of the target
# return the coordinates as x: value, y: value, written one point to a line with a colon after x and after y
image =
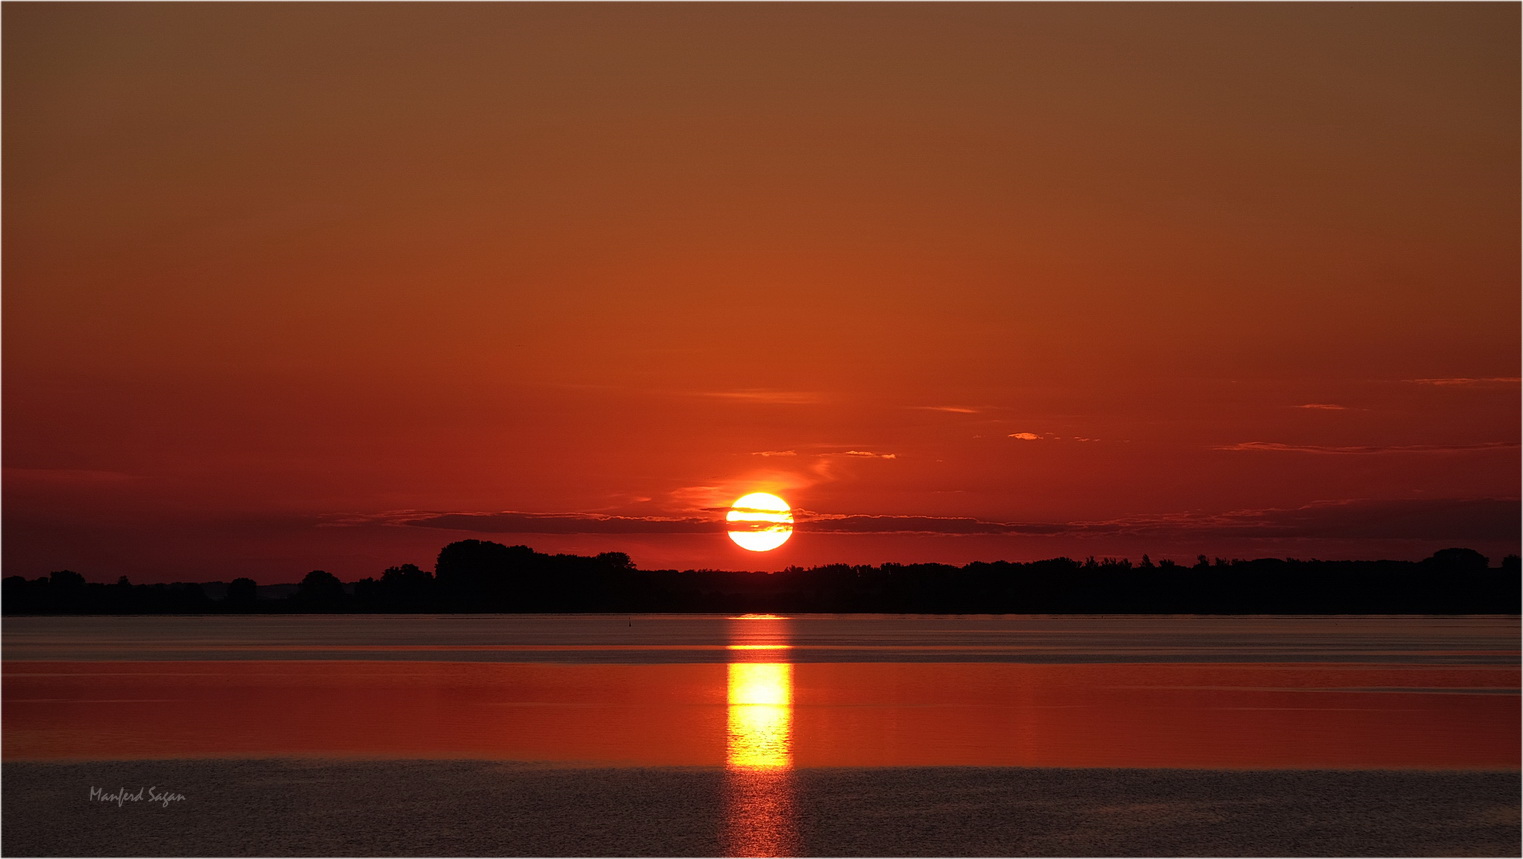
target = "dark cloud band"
x: 1428, y: 519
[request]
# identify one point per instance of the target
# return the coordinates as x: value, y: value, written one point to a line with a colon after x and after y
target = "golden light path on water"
x: 761, y: 715
x: 759, y: 818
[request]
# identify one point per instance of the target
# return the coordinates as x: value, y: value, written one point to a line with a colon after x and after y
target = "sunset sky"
x: 298, y: 286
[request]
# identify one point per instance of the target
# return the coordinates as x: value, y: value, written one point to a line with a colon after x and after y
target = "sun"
x: 760, y: 522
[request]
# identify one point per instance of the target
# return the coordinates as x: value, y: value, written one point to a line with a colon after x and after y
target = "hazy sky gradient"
x: 297, y: 286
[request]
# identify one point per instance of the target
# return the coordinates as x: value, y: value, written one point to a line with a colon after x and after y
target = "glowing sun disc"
x: 760, y: 522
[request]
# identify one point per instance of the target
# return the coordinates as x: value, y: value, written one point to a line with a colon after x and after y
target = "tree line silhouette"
x: 482, y: 576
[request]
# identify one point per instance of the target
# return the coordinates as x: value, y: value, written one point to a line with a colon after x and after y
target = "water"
x: 645, y: 639
x: 761, y: 695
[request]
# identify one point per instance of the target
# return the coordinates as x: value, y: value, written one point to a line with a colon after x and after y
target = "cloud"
x: 774, y: 453
x: 956, y: 410
x: 1365, y: 449
x: 888, y: 524
x: 1047, y: 436
x: 1447, y: 519
x: 509, y: 522
x: 1424, y: 519
x: 1331, y: 407
x: 557, y: 523
x: 1488, y: 380
x: 867, y: 454
x: 759, y: 395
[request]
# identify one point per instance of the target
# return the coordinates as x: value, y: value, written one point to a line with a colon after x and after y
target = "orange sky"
x: 297, y: 286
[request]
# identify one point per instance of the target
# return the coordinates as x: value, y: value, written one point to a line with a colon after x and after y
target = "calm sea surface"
x: 763, y: 694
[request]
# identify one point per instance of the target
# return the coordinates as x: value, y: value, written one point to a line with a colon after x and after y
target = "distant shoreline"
x: 476, y: 576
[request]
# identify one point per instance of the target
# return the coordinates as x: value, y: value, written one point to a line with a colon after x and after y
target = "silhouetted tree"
x: 320, y: 589
x: 242, y: 593
x: 367, y: 593
x: 66, y: 580
x: 407, y: 588
x: 191, y: 596
x: 20, y: 596
x: 484, y: 575
x: 1457, y: 561
x: 616, y: 560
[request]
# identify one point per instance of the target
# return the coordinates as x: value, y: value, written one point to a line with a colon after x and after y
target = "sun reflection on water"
x: 759, y: 819
x: 761, y: 716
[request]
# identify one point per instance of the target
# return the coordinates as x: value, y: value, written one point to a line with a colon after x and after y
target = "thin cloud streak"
x: 1465, y: 380
x: 757, y: 395
x: 1428, y: 519
x: 510, y: 522
x: 1359, y: 450
x: 889, y: 524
